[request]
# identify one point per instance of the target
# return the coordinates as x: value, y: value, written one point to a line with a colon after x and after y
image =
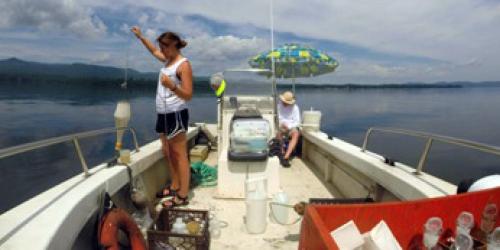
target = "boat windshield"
x: 247, y: 83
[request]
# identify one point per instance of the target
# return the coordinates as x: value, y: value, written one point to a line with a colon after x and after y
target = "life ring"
x: 117, y: 219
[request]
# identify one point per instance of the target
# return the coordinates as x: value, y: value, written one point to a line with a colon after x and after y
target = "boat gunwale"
x: 47, y: 205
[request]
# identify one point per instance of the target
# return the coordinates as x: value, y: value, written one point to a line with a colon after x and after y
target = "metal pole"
x: 80, y: 156
x: 273, y: 73
x: 134, y: 136
x: 423, y: 158
x: 220, y: 108
x: 365, y: 142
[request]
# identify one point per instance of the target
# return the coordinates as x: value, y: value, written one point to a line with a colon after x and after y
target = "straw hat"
x: 287, y: 97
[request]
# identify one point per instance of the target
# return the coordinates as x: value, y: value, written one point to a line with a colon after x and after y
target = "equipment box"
x: 249, y: 135
x: 198, y: 153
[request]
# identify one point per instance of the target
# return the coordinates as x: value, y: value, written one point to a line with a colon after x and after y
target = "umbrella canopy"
x: 295, y: 61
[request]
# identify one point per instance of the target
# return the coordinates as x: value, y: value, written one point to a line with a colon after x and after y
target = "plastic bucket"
x: 279, y: 212
x: 256, y: 205
x: 312, y: 120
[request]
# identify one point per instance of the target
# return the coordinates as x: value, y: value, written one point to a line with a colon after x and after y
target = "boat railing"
x: 430, y: 138
x: 67, y: 138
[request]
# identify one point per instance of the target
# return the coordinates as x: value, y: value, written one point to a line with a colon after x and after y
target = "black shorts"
x: 173, y: 123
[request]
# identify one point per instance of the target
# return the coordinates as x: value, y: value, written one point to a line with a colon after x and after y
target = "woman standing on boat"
x: 175, y: 88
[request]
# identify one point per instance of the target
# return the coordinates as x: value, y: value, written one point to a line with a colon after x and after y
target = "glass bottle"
x: 432, y: 230
x: 465, y: 222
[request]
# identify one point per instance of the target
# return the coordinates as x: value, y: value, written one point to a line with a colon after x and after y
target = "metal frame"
x: 66, y: 138
x: 430, y: 139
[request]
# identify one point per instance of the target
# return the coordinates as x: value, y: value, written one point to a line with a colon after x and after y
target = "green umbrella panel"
x: 295, y: 61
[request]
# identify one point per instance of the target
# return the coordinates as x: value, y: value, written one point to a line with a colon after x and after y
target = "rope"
x: 203, y: 175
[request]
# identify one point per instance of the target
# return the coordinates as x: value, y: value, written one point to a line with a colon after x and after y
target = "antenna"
x: 124, y: 84
x: 272, y: 41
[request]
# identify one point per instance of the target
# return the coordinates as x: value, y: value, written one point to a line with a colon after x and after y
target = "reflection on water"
x: 37, y: 111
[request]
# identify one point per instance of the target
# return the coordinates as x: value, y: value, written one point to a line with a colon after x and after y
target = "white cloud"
x: 125, y: 28
x: 454, y: 31
x: 151, y: 34
x: 178, y: 23
x: 229, y: 47
x: 462, y: 34
x: 207, y: 52
x: 216, y: 53
x: 364, y: 71
x: 102, y: 57
x: 50, y: 16
x: 447, y: 30
x: 143, y: 19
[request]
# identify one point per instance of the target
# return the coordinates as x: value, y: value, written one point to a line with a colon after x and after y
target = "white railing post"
x: 423, y: 157
x: 80, y: 156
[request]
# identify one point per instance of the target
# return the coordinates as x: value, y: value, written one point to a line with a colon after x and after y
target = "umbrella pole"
x: 273, y: 69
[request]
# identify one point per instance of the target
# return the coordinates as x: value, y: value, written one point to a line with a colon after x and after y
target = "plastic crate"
x: 160, y: 236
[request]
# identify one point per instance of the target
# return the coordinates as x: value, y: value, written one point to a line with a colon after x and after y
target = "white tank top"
x: 166, y: 100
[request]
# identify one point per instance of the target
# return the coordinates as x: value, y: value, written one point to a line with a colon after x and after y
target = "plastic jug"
x: 494, y: 240
x: 179, y: 226
x: 122, y: 117
x: 256, y: 205
x: 465, y: 222
x: 280, y: 213
x: 432, y: 231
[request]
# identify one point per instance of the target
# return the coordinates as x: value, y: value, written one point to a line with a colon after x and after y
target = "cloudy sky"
x: 375, y: 41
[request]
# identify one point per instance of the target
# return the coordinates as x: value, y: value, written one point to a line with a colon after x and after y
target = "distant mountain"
x: 380, y: 86
x: 14, y: 70
x: 17, y: 67
x: 408, y: 85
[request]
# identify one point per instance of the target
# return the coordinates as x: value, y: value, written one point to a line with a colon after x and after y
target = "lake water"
x: 30, y: 112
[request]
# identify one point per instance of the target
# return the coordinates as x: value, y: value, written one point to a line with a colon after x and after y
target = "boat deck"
x: 300, y: 184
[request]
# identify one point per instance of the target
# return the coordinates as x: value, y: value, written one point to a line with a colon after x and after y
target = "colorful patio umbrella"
x: 295, y: 61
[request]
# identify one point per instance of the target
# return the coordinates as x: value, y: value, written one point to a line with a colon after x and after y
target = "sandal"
x: 284, y: 162
x: 177, y: 201
x: 166, y: 192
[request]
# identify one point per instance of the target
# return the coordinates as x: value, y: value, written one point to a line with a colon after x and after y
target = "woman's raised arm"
x: 148, y: 44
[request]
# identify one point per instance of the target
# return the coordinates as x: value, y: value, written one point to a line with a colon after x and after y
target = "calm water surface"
x: 30, y: 112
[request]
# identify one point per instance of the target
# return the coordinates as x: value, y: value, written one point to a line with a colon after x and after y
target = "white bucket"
x: 280, y: 213
x: 312, y: 120
x: 256, y: 205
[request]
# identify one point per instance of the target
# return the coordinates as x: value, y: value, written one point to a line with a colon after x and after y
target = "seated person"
x: 289, y: 121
